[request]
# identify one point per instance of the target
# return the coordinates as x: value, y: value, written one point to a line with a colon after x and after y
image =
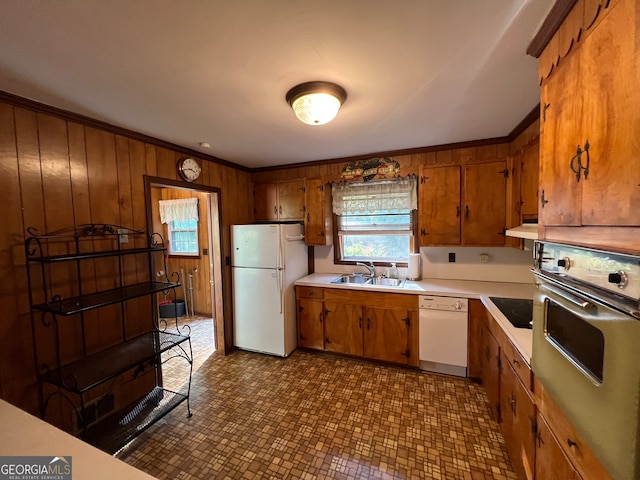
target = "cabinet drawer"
x: 518, y: 363
x: 309, y: 292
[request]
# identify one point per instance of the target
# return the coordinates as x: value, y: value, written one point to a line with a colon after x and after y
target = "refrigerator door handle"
x: 280, y: 274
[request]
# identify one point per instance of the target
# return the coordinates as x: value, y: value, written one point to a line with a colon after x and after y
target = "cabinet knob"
x: 618, y: 278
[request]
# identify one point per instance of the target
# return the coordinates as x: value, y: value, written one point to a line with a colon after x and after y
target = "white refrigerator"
x: 265, y: 262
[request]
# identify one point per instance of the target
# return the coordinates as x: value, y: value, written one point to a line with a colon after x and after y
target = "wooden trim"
x: 526, y: 122
x: 550, y: 26
x: 226, y: 322
x: 390, y: 153
x: 28, y: 104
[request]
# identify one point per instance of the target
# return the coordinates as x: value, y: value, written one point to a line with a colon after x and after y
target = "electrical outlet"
x: 452, y: 257
x: 484, y: 258
x: 123, y: 235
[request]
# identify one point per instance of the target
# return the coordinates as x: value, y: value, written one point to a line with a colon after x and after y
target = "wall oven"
x: 586, y: 347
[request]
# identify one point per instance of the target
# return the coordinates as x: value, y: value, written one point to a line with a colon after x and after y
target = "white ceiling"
x: 417, y: 72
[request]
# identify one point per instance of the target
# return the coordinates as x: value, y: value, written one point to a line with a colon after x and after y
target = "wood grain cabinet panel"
x: 281, y: 201
x: 551, y: 462
x: 439, y: 205
x: 317, y: 222
x: 311, y: 323
x: 386, y: 334
x: 589, y: 148
x: 343, y: 328
x: 484, y: 215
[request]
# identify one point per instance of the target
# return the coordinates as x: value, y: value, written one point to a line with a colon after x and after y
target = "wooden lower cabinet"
x: 551, y: 463
x: 310, y: 323
x: 387, y: 333
x: 518, y: 420
x: 380, y: 326
x: 343, y: 328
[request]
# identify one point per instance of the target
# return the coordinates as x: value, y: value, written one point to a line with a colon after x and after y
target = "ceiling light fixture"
x: 316, y: 103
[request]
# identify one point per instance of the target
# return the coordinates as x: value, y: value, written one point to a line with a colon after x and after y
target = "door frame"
x: 219, y: 290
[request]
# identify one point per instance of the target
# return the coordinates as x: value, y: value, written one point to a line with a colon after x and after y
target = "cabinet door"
x: 610, y: 77
x: 310, y: 323
x: 265, y: 199
x: 517, y: 409
x: 439, y: 206
x: 291, y: 200
x: 529, y: 176
x: 477, y: 328
x: 551, y: 462
x: 485, y: 197
x: 386, y: 334
x: 559, y: 140
x: 491, y: 372
x: 315, y: 222
x: 343, y: 328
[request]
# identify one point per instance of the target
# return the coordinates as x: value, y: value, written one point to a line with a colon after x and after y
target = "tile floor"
x: 316, y: 416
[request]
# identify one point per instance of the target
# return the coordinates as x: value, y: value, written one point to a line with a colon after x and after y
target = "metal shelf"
x: 113, y: 433
x: 74, y: 305
x: 91, y: 255
x: 100, y: 367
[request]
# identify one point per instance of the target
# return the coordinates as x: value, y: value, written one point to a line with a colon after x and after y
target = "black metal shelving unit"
x: 74, y: 379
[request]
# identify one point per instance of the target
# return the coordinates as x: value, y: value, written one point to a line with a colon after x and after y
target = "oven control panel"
x: 616, y: 272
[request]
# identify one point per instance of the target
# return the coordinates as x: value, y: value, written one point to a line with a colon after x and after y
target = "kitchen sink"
x: 387, y: 282
x: 357, y: 279
x: 366, y: 280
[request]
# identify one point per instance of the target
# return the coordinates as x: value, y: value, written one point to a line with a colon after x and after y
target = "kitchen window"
x: 183, y: 237
x: 375, y: 221
x: 181, y: 218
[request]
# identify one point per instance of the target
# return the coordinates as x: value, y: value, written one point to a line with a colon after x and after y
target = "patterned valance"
x: 182, y: 210
x: 387, y: 196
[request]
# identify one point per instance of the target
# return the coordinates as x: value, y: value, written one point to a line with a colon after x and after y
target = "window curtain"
x: 390, y: 196
x: 181, y: 210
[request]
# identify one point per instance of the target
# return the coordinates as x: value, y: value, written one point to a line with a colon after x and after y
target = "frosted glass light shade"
x: 316, y: 103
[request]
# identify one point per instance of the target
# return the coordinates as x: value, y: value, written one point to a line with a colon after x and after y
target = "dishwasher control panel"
x: 452, y: 304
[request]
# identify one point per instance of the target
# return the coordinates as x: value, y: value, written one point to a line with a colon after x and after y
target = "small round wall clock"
x: 189, y: 169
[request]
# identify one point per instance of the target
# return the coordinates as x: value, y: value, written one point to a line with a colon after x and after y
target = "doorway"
x: 194, y: 256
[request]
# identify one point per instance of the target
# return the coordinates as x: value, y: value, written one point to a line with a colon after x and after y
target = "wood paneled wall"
x: 55, y: 173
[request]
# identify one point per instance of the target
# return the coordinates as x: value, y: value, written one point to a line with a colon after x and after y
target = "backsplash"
x: 503, y: 265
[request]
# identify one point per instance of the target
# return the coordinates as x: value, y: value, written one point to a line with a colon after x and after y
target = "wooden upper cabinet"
x: 610, y: 77
x: 529, y: 178
x: 590, y: 118
x: 265, y: 202
x: 439, y: 206
x: 484, y: 210
x: 280, y: 201
x: 317, y: 222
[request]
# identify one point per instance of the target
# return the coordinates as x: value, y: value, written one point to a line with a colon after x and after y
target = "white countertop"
x: 520, y: 337
x: 25, y: 435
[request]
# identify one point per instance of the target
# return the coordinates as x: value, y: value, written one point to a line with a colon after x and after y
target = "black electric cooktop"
x: 519, y: 311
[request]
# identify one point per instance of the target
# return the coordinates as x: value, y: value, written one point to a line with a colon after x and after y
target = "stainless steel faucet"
x: 371, y: 268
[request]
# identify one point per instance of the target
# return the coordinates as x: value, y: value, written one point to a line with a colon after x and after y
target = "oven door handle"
x: 574, y: 299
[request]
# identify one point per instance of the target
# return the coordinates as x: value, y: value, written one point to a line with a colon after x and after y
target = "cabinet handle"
x: 516, y: 363
x: 360, y: 322
x: 576, y: 168
x: 512, y: 403
x: 571, y: 443
x: 586, y: 151
x: 327, y: 340
x: 275, y: 209
x: 457, y: 211
x: 544, y: 111
x: 308, y: 217
x: 466, y: 211
x: 280, y: 209
x: 368, y: 324
x: 543, y: 202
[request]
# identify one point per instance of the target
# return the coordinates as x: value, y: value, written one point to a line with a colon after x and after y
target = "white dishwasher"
x: 443, y: 332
